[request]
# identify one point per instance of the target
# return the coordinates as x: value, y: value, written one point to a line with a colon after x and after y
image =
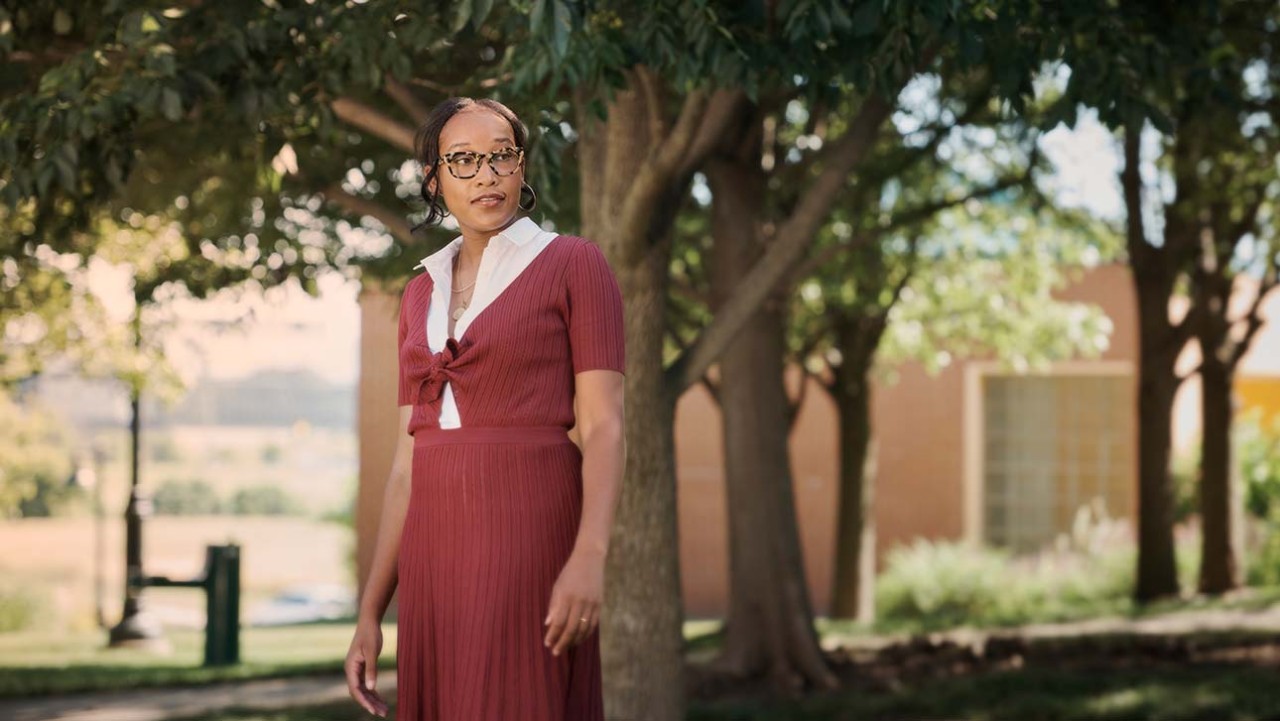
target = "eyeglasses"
x: 465, y: 163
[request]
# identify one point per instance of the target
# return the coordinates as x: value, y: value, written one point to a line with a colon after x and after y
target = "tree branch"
x: 788, y: 245
x: 675, y: 146
x: 651, y: 88
x: 1131, y: 183
x: 374, y: 121
x: 722, y: 109
x: 356, y: 205
x: 403, y: 95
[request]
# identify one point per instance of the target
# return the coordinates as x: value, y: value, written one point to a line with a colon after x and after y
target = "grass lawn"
x: 1218, y: 694
x: 39, y: 663
x: 34, y: 664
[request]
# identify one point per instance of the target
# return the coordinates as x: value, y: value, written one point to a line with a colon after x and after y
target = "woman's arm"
x: 383, y: 575
x: 599, y: 406
x: 579, y: 590
x: 361, y: 665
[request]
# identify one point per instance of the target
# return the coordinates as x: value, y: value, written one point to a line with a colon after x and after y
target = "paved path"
x: 161, y: 704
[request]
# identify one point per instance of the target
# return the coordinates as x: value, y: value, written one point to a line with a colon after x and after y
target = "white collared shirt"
x: 509, y: 252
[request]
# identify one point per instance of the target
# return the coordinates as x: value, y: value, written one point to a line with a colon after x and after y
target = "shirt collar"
x: 519, y: 233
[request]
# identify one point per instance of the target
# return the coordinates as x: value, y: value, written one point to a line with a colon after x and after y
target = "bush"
x: 264, y: 501
x: 938, y: 584
x: 163, y: 448
x: 271, y: 453
x: 20, y: 607
x: 1258, y: 452
x: 186, y: 498
x: 35, y: 463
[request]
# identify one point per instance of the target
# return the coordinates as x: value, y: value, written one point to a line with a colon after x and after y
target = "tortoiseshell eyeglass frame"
x: 447, y: 159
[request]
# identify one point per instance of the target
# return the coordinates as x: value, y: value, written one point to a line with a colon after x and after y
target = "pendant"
x: 457, y: 312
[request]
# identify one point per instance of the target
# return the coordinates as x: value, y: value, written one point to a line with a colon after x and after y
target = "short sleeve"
x: 596, y: 328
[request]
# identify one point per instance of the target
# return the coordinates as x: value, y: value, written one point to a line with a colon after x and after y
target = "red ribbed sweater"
x: 515, y: 364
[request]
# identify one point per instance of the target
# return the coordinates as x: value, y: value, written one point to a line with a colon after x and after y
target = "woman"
x: 495, y: 524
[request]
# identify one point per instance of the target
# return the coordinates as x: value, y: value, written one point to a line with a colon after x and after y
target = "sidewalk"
x: 161, y: 704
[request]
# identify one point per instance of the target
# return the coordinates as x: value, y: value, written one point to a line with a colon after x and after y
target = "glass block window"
x: 1053, y: 444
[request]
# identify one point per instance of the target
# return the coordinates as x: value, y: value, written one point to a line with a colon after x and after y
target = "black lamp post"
x: 137, y: 628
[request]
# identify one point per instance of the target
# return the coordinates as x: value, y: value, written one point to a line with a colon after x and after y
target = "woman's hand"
x: 361, y: 667
x: 576, y: 595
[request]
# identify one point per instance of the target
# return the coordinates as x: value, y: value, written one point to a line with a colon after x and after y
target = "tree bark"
x: 641, y: 624
x: 1221, y: 501
x: 855, y: 557
x: 1155, y: 271
x: 769, y: 628
x: 1157, y: 568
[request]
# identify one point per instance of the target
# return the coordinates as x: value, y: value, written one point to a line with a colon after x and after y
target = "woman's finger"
x: 569, y: 630
x: 554, y: 621
x: 354, y: 666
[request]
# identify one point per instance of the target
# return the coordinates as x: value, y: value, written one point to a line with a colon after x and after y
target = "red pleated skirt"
x: 492, y: 519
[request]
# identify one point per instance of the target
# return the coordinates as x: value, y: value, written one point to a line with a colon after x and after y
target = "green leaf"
x: 481, y: 11
x: 171, y: 104
x: 462, y: 16
x: 62, y: 23
x: 561, y: 26
x: 535, y: 16
x: 866, y: 19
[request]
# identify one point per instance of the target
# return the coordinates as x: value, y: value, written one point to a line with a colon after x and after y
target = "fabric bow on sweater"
x: 429, y: 371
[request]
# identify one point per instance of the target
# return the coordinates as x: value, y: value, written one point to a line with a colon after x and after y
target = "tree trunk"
x: 855, y: 557
x: 1221, y: 504
x: 1157, y: 384
x: 641, y: 624
x: 1154, y: 270
x: 769, y: 628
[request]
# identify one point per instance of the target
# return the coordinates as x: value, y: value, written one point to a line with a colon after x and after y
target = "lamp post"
x: 137, y: 628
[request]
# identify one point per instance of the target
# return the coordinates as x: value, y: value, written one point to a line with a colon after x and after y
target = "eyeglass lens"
x: 466, y: 165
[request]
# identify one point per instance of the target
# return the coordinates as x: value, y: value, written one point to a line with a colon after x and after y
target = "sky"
x: 287, y: 330
x: 291, y: 330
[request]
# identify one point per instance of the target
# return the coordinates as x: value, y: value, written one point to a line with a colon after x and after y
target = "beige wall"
x: 927, y: 485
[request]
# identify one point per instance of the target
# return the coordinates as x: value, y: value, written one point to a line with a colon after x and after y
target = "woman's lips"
x: 488, y: 201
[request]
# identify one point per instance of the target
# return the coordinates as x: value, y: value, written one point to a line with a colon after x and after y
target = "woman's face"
x: 486, y: 202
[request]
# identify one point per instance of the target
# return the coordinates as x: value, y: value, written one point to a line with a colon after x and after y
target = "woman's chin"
x: 488, y: 219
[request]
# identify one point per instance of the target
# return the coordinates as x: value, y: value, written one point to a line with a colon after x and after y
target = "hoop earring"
x: 435, y: 211
x: 533, y: 197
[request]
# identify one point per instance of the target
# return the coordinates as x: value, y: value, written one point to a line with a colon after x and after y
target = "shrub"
x: 35, y: 463
x: 186, y: 498
x: 264, y: 501
x: 163, y: 448
x: 1257, y: 449
x: 940, y: 584
x: 20, y: 607
x: 271, y: 453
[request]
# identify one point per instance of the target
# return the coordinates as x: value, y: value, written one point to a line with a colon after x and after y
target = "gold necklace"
x: 462, y: 306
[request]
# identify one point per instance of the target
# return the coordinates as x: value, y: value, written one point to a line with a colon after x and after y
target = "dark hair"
x: 426, y: 145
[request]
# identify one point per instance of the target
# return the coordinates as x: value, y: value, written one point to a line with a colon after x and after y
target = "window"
x: 1051, y: 445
